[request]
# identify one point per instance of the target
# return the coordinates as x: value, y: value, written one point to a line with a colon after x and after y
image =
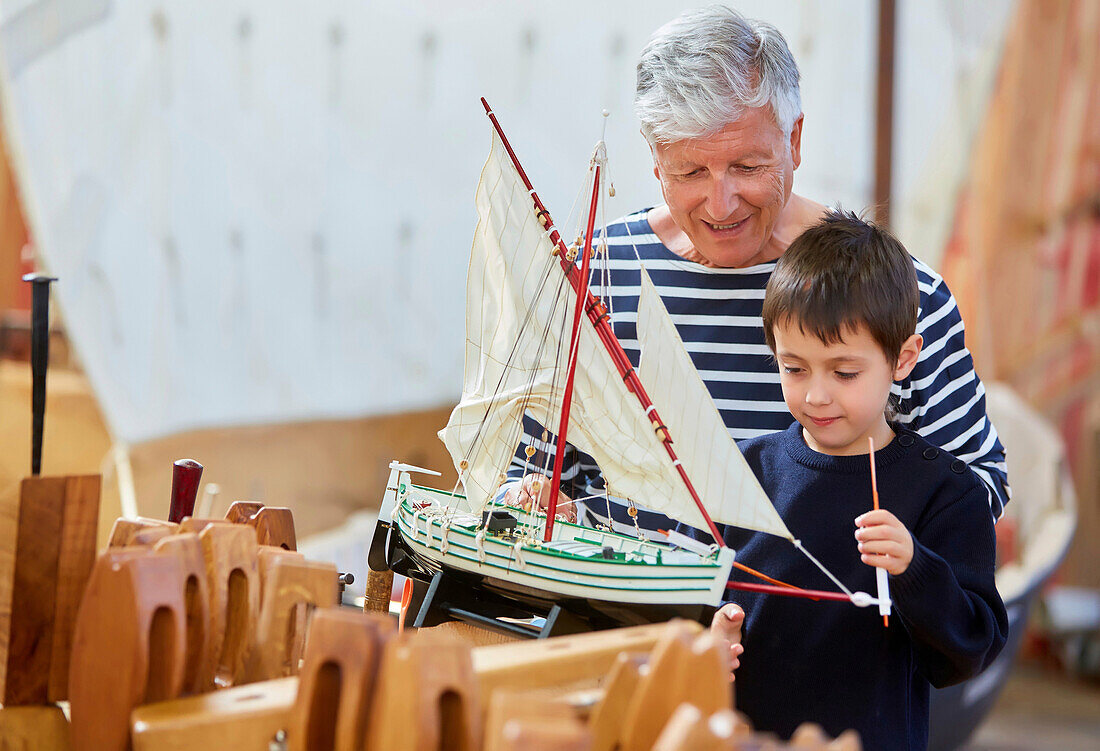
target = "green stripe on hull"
x: 523, y: 572
x: 675, y: 585
x: 703, y: 563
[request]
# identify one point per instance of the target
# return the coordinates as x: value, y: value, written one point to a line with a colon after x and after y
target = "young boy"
x: 840, y: 315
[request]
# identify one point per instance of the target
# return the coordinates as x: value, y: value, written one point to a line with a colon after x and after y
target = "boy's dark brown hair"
x: 840, y: 273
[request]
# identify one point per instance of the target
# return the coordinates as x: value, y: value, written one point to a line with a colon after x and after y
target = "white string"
x: 798, y: 544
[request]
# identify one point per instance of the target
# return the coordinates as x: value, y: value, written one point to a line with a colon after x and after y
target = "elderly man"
x: 718, y: 99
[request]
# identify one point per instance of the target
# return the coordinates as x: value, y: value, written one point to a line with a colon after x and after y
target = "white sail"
x: 717, y: 469
x: 511, y: 317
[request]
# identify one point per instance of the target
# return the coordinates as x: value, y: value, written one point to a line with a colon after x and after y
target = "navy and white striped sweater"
x: 717, y: 313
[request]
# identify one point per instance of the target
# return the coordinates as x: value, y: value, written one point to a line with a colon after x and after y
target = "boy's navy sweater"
x: 836, y: 664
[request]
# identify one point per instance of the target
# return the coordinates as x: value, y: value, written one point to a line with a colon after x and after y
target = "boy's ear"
x: 907, y: 358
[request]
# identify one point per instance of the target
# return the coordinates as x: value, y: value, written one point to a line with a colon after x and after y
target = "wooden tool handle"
x: 379, y: 587
x: 185, y: 488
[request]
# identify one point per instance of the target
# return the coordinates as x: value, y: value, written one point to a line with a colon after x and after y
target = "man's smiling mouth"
x: 734, y: 225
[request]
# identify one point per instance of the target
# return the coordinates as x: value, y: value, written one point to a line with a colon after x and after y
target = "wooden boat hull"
x: 591, y: 573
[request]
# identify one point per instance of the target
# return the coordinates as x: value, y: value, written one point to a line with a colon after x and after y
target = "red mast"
x: 567, y: 398
x: 597, y: 314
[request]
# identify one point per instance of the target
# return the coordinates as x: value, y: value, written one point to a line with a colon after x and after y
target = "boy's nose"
x: 817, y: 394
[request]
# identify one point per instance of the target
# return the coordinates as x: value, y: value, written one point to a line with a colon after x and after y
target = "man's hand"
x: 533, y: 491
x: 726, y: 625
x: 884, y: 542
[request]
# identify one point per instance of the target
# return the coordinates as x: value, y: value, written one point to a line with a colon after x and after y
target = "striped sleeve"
x: 943, y: 399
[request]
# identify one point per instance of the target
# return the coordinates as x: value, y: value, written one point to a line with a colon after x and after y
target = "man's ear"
x: 796, y: 141
x: 653, y: 156
x: 907, y: 358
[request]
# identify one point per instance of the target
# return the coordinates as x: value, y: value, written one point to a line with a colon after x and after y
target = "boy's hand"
x: 726, y: 625
x: 533, y: 492
x: 884, y: 542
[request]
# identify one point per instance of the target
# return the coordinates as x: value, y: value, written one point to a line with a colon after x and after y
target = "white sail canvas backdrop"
x: 260, y: 212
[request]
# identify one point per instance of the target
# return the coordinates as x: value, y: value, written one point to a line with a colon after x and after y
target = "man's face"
x: 726, y: 191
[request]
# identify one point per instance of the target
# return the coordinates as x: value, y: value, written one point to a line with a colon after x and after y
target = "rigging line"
x: 545, y: 336
x: 555, y: 382
x: 582, y: 296
x: 633, y: 245
x: 606, y: 335
x: 475, y: 443
x: 554, y: 396
x: 559, y: 297
x: 511, y: 356
x: 507, y: 366
x: 812, y: 594
x: 517, y: 433
x: 765, y: 577
x: 547, y: 417
x: 827, y: 572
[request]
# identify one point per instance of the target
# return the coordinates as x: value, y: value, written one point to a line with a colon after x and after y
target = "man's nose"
x: 724, y: 197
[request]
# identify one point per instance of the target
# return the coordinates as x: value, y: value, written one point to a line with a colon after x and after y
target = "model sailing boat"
x: 538, y: 342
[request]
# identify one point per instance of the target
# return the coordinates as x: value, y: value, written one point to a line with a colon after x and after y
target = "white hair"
x: 703, y: 68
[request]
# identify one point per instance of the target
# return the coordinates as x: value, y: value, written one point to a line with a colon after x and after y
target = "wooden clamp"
x: 289, y: 585
x: 619, y: 688
x: 239, y: 512
x: 196, y: 525
x: 523, y: 720
x: 140, y: 531
x: 683, y: 668
x: 34, y: 729
x: 230, y: 555
x: 241, y: 717
x: 426, y: 697
x: 129, y: 645
x: 566, y: 660
x: 47, y: 548
x: 342, y: 661
x: 274, y: 524
x: 187, y: 549
x: 690, y: 730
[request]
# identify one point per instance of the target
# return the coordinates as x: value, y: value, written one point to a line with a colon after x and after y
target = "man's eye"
x: 846, y: 376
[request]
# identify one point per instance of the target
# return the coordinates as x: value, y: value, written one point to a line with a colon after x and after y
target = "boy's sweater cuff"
x: 920, y: 572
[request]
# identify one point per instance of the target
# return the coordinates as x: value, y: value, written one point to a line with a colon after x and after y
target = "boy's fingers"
x: 872, y: 518
x: 871, y: 534
x: 880, y: 547
x: 729, y: 613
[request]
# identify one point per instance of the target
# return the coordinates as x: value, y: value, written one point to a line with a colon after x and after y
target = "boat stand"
x: 444, y: 598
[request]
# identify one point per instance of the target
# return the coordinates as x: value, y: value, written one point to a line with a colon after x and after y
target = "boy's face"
x: 838, y: 392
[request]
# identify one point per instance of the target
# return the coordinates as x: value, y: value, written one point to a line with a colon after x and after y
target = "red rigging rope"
x: 812, y: 594
x: 595, y: 311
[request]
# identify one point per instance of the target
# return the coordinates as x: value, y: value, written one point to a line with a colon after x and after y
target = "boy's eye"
x: 846, y: 376
x: 791, y: 369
